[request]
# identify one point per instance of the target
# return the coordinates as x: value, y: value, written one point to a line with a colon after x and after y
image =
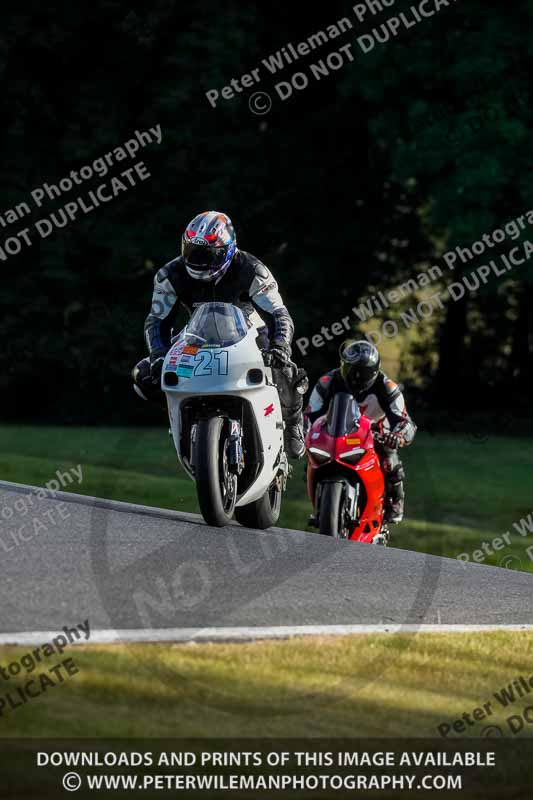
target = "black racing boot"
x: 394, y: 504
x: 394, y: 513
x: 292, y: 384
x: 293, y: 434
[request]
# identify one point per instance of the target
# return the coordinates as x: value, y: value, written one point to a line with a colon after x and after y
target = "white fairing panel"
x: 204, y: 370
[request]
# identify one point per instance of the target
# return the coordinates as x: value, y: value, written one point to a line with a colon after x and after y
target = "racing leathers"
x: 384, y: 403
x: 249, y: 285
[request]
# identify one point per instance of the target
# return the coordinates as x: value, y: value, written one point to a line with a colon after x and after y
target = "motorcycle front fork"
x: 235, y: 453
x: 351, y: 504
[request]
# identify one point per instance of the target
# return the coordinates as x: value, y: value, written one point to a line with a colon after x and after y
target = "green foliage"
x: 421, y: 145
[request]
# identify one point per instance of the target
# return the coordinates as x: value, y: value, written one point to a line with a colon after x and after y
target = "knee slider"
x: 397, y: 473
x: 301, y: 381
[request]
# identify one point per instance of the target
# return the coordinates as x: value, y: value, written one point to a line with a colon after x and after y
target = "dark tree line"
x: 356, y: 182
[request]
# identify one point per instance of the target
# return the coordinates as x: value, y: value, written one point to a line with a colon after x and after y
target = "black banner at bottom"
x: 251, y: 768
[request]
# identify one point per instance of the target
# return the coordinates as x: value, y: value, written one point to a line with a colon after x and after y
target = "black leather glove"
x: 156, y: 367
x: 391, y: 440
x: 280, y: 356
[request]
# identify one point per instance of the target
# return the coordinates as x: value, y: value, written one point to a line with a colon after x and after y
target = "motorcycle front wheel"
x: 262, y: 513
x: 216, y: 486
x: 332, y: 514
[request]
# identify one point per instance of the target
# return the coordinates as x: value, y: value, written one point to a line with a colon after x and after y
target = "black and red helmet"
x: 208, y: 245
x: 360, y: 363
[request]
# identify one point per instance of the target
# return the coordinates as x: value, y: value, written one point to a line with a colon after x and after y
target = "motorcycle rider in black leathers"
x: 380, y: 399
x: 210, y: 268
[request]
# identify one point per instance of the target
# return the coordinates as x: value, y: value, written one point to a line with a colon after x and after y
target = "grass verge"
x: 366, y: 686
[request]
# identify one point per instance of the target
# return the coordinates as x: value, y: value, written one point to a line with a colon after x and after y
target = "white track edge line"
x: 154, y: 635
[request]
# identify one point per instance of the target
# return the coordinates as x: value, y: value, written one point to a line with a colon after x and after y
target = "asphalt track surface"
x: 146, y: 574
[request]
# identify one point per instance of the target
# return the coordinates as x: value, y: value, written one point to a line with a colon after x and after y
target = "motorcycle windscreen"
x: 216, y: 325
x: 344, y: 415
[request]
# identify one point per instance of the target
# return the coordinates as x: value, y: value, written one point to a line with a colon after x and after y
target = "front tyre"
x: 332, y: 513
x: 262, y: 513
x: 216, y: 486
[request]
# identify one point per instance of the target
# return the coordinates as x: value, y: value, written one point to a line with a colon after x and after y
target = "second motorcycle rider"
x: 380, y: 399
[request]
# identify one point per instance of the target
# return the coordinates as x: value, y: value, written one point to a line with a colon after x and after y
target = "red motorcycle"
x: 345, y: 481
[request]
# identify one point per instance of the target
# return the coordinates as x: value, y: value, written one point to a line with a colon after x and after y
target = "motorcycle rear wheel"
x: 332, y: 511
x: 262, y: 513
x: 216, y: 487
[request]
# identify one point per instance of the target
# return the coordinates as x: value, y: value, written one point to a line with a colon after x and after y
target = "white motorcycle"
x: 225, y: 417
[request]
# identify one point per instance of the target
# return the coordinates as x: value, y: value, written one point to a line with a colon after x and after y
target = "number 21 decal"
x: 205, y: 365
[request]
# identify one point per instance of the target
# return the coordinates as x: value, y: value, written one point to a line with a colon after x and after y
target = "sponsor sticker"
x: 352, y: 440
x: 190, y: 350
x: 269, y: 410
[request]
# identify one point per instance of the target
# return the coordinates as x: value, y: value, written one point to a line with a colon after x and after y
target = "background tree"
x: 352, y: 184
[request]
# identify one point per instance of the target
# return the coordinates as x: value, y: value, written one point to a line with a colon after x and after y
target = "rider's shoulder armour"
x: 259, y: 268
x: 249, y: 267
x: 173, y: 270
x: 330, y: 383
x: 161, y: 274
x: 385, y: 389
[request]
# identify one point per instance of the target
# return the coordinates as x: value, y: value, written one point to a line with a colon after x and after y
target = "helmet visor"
x: 358, y: 378
x: 202, y: 258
